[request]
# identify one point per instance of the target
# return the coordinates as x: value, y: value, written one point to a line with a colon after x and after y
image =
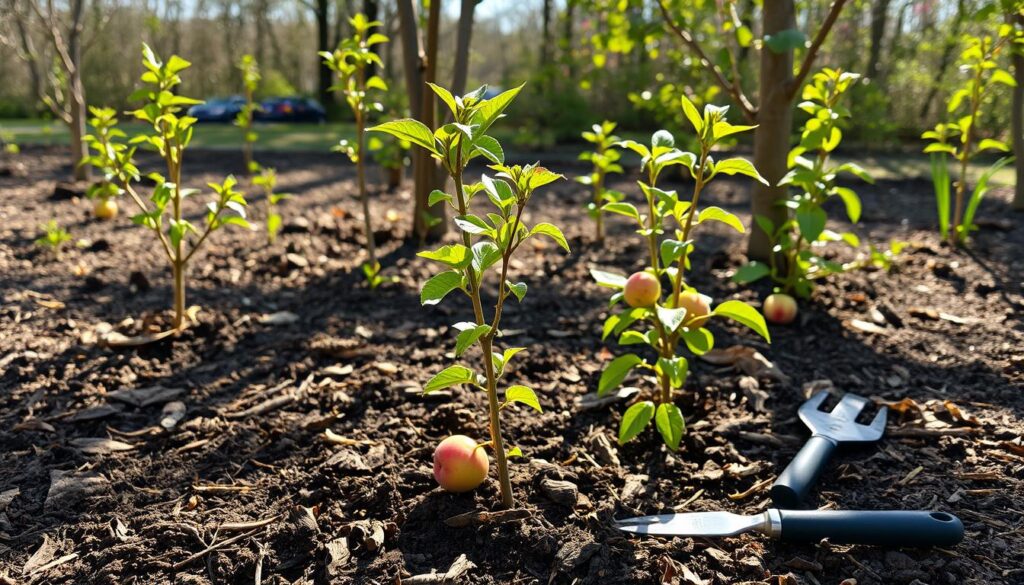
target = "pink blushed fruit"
x: 779, y: 309
x: 460, y: 464
x: 642, y: 290
x: 698, y: 309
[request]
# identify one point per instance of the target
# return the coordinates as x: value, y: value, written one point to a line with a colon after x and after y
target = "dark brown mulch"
x: 949, y: 341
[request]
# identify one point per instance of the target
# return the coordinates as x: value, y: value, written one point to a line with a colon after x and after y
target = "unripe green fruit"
x: 105, y: 209
x: 698, y: 309
x: 779, y: 308
x: 460, y: 464
x: 642, y: 290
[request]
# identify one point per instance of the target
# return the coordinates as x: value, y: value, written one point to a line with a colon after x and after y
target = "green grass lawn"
x: 321, y: 137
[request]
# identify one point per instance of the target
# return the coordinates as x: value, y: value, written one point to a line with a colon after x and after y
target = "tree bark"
x: 323, y: 43
x: 462, y: 44
x: 879, y: 18
x: 775, y: 123
x: 567, y: 39
x: 77, y: 107
x: 1018, y: 118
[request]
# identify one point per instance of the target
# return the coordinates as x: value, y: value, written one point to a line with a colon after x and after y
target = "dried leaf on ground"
x: 68, y: 488
x: 746, y: 359
x: 279, y: 318
x: 145, y: 396
x: 99, y: 445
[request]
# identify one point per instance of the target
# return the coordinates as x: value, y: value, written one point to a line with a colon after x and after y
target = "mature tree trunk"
x: 1018, y: 118
x: 27, y: 49
x: 879, y: 17
x: 323, y: 43
x: 420, y: 61
x: 952, y: 40
x: 261, y: 9
x: 371, y: 9
x: 567, y: 39
x: 545, y: 35
x: 462, y: 43
x: 775, y: 123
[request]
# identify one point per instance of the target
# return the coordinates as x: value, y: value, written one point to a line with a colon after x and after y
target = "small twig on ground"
x: 682, y: 507
x: 217, y: 545
x: 242, y: 526
x: 753, y: 489
x: 471, y: 518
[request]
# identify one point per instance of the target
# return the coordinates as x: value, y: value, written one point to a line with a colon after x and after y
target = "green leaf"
x: 472, y: 224
x: 468, y: 334
x: 514, y: 452
x: 635, y: 420
x: 446, y: 97
x: 437, y: 196
x: 632, y: 337
x: 745, y: 315
x: 699, y: 341
x: 693, y: 115
x: 501, y: 360
x: 615, y: 373
x: 485, y: 254
x: 940, y: 180
x: 675, y: 368
x: 811, y: 222
x: 518, y: 289
x: 454, y: 255
x: 493, y: 108
x: 410, y: 130
x: 490, y: 148
x: 741, y: 166
x: 623, y: 208
x: 785, y: 40
x: 450, y: 376
x: 608, y: 279
x: 718, y: 214
x: 980, y: 188
x: 851, y: 201
x: 670, y: 423
x: 751, y: 271
x: 1001, y: 76
x: 552, y: 232
x: 671, y: 319
x: 523, y: 395
x: 438, y: 287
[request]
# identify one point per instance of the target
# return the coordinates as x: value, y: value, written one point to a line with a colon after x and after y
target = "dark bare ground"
x: 150, y: 511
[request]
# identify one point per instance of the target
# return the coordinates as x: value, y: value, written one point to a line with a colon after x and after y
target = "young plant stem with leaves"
x: 170, y: 136
x: 488, y: 243
x: 680, y: 316
x: 350, y: 62
x: 980, y: 61
x: 605, y: 159
x: 795, y: 265
x: 267, y: 180
x: 250, y: 81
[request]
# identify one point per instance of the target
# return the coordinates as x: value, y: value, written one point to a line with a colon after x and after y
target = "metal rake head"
x: 841, y: 424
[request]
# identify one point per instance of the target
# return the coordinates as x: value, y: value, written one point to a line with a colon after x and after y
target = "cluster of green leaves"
x: 349, y: 62
x: 110, y: 152
x: 250, y: 81
x: 605, y: 159
x: 667, y: 324
x: 794, y: 264
x: 267, y: 180
x: 960, y: 138
x: 488, y: 243
x: 54, y: 237
x: 170, y: 135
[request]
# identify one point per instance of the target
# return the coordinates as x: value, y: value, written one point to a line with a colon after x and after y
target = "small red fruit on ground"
x: 642, y: 290
x: 779, y: 308
x: 105, y: 209
x: 698, y: 309
x: 460, y: 464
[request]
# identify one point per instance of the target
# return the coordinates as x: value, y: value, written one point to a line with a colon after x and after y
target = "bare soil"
x: 289, y: 343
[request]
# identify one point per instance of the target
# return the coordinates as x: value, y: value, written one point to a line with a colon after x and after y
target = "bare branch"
x: 731, y: 87
x: 812, y: 52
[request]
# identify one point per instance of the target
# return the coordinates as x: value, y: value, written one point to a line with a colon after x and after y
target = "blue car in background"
x: 291, y: 109
x: 218, y: 109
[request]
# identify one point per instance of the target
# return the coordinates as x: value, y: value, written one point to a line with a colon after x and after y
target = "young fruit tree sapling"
x: 682, y: 315
x: 488, y: 243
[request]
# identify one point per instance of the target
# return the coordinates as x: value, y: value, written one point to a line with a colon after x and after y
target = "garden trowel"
x: 828, y: 429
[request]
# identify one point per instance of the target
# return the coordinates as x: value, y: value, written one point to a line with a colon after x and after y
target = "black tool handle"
x: 796, y: 480
x: 896, y: 528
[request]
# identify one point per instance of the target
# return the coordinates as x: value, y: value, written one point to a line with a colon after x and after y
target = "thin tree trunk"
x: 568, y: 26
x: 775, y: 122
x: 1018, y: 118
x: 371, y: 9
x: 952, y: 40
x: 77, y: 90
x: 879, y: 17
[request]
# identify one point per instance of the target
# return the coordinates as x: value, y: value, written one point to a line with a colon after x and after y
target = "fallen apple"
x: 105, y: 209
x: 460, y: 464
x: 779, y: 308
x: 642, y: 290
x: 698, y: 309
